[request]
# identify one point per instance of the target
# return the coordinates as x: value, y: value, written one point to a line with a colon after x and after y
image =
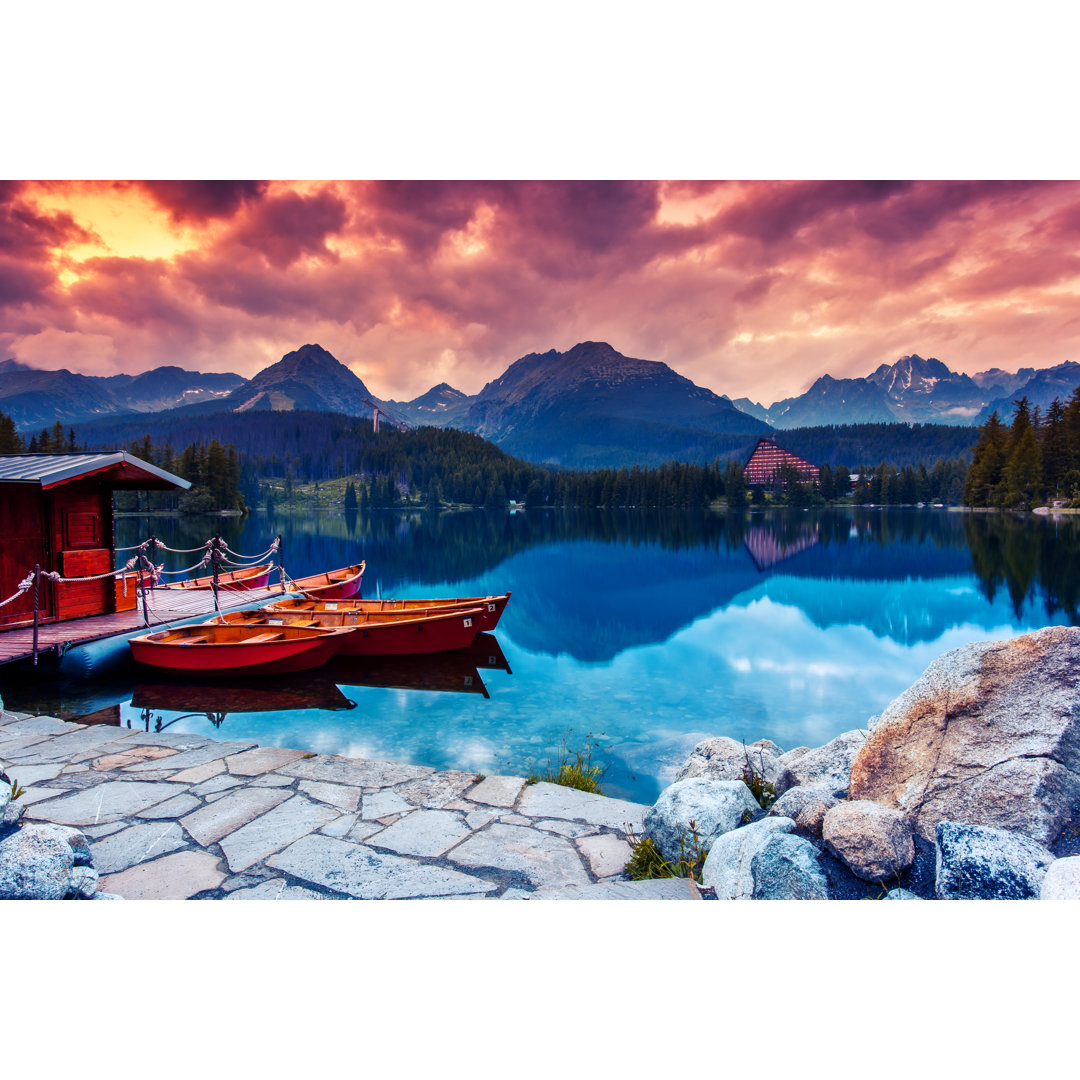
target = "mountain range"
x: 588, y: 406
x: 914, y: 390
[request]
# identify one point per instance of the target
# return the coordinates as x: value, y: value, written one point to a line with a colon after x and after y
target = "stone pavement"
x: 172, y: 816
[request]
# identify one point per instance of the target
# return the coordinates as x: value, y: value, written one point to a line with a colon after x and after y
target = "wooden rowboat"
x: 333, y: 585
x: 209, y: 649
x: 250, y: 577
x: 389, y: 633
x: 491, y: 607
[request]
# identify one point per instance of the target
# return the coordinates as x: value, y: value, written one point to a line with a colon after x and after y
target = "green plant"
x: 16, y: 791
x: 647, y: 864
x: 479, y: 777
x: 575, y: 769
x: 760, y: 788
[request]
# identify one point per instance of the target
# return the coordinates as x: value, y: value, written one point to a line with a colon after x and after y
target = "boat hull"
x: 200, y: 650
x: 374, y: 634
x: 252, y: 577
x: 335, y: 585
x: 491, y: 607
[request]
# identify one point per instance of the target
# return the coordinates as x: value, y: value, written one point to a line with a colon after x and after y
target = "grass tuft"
x: 647, y: 864
x: 575, y: 768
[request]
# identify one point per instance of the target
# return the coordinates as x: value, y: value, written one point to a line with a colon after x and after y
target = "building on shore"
x: 56, y: 513
x: 770, y: 464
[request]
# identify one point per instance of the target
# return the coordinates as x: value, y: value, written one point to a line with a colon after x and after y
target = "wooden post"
x: 142, y: 589
x: 37, y: 579
x: 215, y: 561
x: 281, y: 562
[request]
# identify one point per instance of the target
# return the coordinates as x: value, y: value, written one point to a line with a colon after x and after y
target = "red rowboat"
x: 390, y: 633
x: 491, y: 607
x: 250, y: 577
x: 210, y: 649
x: 334, y: 585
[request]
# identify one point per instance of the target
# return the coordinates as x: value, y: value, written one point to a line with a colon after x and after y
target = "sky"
x: 749, y: 288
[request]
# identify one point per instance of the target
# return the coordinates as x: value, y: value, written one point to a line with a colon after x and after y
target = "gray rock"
x: 727, y: 867
x: 5, y: 794
x: 873, y: 841
x: 35, y: 864
x: 713, y: 806
x: 786, y: 868
x: 83, y: 884
x: 806, y: 806
x: 722, y: 758
x: 990, y: 735
x: 974, y: 862
x: 901, y: 894
x: 1062, y: 881
x: 828, y: 767
x: 794, y: 754
x: 80, y: 847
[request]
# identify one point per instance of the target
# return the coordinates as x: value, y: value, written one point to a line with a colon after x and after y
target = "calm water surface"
x: 648, y: 631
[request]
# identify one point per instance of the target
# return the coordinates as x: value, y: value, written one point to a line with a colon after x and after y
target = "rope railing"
x: 25, y: 585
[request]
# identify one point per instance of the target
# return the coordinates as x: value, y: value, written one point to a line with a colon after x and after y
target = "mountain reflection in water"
x: 653, y: 629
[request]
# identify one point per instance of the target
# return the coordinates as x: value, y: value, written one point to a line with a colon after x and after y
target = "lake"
x: 647, y: 631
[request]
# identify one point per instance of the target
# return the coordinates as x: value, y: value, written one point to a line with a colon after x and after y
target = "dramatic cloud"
x: 750, y: 288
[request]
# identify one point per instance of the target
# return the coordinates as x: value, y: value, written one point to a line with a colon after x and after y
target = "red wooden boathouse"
x: 56, y: 512
x: 769, y: 459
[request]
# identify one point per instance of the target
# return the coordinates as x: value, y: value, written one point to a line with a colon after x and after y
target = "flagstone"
x: 230, y: 812
x: 10, y: 747
x: 570, y: 829
x: 42, y: 725
x: 276, y: 889
x: 273, y: 780
x: 222, y: 782
x: 37, y: 794
x: 366, y: 773
x: 383, y: 805
x: 346, y: 798
x: 435, y: 791
x: 198, y: 773
x: 427, y: 833
x: 33, y: 774
x: 135, y: 844
x: 663, y: 889
x: 95, y: 832
x: 605, y: 855
x: 479, y: 818
x: 175, y: 807
x: 101, y: 804
x: 341, y: 827
x: 82, y: 744
x: 542, y: 858
x: 131, y: 756
x: 515, y: 819
x: 497, y: 790
x: 262, y: 759
x: 172, y: 877
x: 274, y: 830
x: 371, y: 875
x: 364, y: 829
x: 186, y: 759
x: 555, y: 801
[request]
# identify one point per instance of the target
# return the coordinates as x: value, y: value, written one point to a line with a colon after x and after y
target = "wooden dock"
x: 164, y: 606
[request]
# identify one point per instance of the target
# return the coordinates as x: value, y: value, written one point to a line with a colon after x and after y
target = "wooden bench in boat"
x: 269, y: 636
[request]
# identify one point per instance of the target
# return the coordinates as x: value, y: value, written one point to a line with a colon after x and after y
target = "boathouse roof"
x: 117, y: 470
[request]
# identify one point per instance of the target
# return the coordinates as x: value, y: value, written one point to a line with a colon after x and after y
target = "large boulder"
x: 873, y: 841
x: 990, y: 735
x: 979, y: 863
x: 722, y: 758
x: 712, y: 806
x: 786, y: 868
x: 1062, y: 881
x: 727, y: 866
x: 35, y: 864
x: 828, y: 767
x: 807, y: 807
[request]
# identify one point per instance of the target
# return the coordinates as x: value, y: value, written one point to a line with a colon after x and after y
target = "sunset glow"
x: 749, y: 288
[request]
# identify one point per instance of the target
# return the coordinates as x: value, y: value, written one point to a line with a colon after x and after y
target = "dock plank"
x: 165, y: 607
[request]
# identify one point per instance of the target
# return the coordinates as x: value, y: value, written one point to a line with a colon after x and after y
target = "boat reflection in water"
x: 215, y: 700
x: 455, y: 671
x: 449, y: 672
